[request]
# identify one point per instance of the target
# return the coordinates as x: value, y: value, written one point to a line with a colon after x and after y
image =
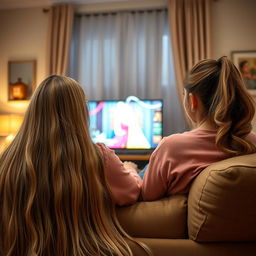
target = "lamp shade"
x: 10, y: 124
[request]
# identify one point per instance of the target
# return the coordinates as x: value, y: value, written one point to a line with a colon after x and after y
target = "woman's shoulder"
x: 101, y: 147
x: 105, y: 151
x: 180, y: 142
x: 252, y: 137
x: 184, y: 137
x: 175, y: 142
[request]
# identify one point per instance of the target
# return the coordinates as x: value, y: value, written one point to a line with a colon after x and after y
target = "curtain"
x: 61, y: 23
x: 120, y: 54
x: 189, y: 22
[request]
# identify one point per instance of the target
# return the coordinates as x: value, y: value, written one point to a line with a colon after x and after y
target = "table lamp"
x: 9, y: 126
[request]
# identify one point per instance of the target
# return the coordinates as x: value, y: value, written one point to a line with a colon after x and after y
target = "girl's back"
x: 178, y: 160
x: 53, y: 191
x: 218, y: 103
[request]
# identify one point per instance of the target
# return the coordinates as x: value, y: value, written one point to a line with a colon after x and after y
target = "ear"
x: 193, y: 100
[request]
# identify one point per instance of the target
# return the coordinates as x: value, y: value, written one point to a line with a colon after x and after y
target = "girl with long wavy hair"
x: 218, y: 103
x: 57, y: 188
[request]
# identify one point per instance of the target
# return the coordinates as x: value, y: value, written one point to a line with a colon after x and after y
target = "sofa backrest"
x: 222, y: 202
x: 165, y: 218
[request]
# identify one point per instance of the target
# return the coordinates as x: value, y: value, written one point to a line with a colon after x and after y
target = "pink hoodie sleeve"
x: 125, y: 185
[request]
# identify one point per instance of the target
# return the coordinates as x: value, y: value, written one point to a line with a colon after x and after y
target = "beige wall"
x: 233, y: 26
x: 23, y: 36
x: 233, y: 29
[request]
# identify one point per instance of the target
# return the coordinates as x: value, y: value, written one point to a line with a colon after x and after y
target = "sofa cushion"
x: 166, y: 218
x: 187, y: 247
x: 222, y: 201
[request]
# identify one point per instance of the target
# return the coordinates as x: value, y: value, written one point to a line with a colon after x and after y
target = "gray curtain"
x: 127, y: 53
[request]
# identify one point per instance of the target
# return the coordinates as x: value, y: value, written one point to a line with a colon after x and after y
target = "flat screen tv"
x: 128, y: 126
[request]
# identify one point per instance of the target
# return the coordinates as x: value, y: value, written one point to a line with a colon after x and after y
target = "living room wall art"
x: 21, y: 79
x: 246, y: 63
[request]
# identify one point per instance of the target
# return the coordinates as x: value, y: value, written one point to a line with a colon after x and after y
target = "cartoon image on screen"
x: 129, y: 124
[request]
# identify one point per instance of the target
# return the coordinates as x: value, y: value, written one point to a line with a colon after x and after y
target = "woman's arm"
x: 125, y: 184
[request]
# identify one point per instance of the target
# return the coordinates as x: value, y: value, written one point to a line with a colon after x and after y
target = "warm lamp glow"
x: 10, y: 138
x: 10, y: 124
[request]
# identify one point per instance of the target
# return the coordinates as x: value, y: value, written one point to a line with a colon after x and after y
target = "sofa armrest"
x: 222, y: 202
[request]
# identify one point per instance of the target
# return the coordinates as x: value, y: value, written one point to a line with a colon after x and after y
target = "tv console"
x: 129, y: 157
x: 140, y: 160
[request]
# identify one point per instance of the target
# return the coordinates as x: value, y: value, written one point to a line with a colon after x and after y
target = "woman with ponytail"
x: 218, y: 103
x: 58, y: 189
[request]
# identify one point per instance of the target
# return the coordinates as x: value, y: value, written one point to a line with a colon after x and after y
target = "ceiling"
x: 9, y: 4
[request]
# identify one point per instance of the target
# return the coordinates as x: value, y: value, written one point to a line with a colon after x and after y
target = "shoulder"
x: 252, y: 137
x: 174, y: 143
x: 108, y: 155
x: 179, y: 137
x: 104, y: 149
x: 176, y: 139
x: 186, y: 142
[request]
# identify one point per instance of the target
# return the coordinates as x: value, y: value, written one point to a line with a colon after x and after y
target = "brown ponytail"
x: 227, y: 103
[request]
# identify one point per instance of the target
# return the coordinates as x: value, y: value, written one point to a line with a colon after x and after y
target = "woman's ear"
x: 193, y: 101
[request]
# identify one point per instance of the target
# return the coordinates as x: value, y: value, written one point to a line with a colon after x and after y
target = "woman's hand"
x: 131, y: 165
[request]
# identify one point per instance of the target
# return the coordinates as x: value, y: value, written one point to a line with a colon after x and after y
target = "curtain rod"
x: 121, y: 11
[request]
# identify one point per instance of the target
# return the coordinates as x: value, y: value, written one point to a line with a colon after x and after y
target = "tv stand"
x: 140, y: 160
x: 134, y: 157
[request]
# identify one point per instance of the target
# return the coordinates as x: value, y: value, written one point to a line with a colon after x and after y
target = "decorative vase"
x: 19, y: 90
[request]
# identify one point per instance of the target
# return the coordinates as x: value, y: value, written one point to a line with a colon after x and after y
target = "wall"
x: 233, y: 29
x: 233, y: 26
x: 23, y: 36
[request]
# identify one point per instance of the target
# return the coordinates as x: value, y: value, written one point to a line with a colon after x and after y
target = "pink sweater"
x: 125, y: 185
x: 178, y: 159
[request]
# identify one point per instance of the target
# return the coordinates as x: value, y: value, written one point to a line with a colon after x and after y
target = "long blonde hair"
x: 53, y: 192
x: 227, y: 103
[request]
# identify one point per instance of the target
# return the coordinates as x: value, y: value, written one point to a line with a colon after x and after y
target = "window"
x: 126, y: 53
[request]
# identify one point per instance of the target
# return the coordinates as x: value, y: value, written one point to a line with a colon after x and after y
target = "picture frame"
x: 21, y: 79
x: 245, y: 61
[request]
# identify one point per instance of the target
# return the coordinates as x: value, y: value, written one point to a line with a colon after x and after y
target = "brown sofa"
x: 217, y: 218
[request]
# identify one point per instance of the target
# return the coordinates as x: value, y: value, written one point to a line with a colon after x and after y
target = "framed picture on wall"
x: 21, y: 79
x: 246, y: 63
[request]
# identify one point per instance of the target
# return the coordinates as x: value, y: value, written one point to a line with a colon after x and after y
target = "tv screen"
x: 129, y: 124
